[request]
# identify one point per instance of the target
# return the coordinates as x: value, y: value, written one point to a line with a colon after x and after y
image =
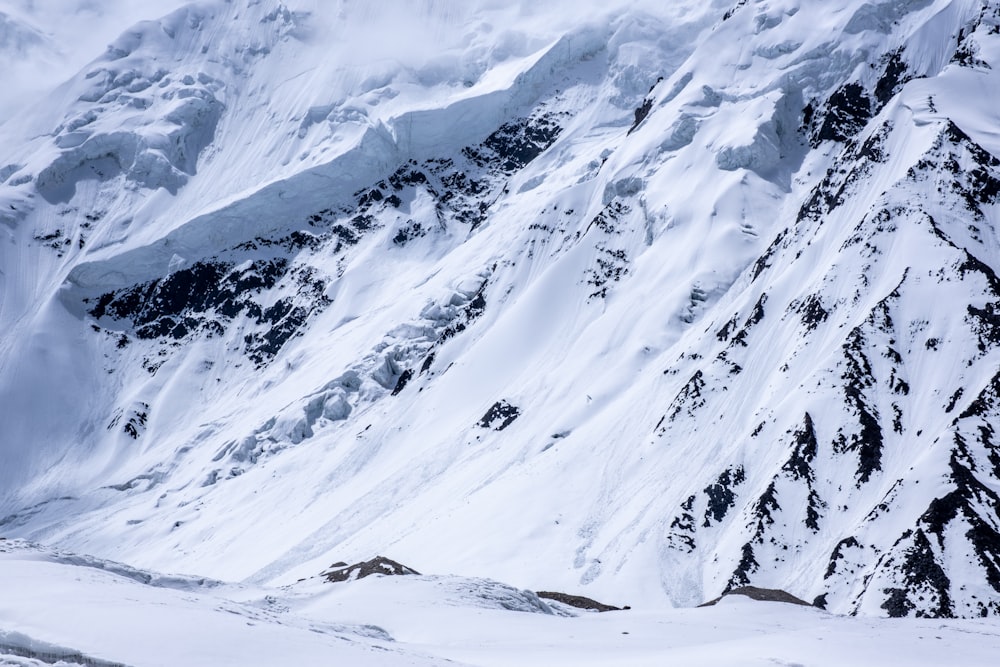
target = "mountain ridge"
x: 579, y: 308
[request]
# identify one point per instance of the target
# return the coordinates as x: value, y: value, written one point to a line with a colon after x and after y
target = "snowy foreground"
x: 65, y: 609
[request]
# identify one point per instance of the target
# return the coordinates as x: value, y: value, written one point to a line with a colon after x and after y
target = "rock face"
x: 656, y: 306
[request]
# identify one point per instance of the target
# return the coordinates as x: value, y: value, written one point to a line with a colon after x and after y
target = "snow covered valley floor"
x: 68, y: 609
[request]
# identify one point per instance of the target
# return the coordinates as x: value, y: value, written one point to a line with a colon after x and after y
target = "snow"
x: 640, y: 294
x: 58, y: 604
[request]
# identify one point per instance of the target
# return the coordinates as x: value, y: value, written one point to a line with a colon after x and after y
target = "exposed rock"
x: 848, y: 109
x: 579, y: 601
x: 760, y: 594
x: 378, y: 565
x: 500, y: 415
x: 640, y: 114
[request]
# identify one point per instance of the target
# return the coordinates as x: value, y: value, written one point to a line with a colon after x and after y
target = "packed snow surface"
x: 65, y: 609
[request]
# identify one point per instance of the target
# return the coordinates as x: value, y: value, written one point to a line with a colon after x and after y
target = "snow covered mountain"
x: 644, y: 303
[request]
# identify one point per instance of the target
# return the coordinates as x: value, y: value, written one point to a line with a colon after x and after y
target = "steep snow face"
x: 650, y: 301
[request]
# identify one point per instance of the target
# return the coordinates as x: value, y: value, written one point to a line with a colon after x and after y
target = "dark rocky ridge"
x: 578, y: 601
x: 760, y: 595
x: 270, y: 288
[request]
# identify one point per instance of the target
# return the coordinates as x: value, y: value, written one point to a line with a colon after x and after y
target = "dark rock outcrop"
x: 378, y: 565
x: 578, y: 601
x: 761, y: 595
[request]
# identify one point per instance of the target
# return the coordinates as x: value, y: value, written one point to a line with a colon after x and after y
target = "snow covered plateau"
x: 641, y: 301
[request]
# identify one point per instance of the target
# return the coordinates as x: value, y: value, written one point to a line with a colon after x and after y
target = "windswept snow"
x: 63, y: 609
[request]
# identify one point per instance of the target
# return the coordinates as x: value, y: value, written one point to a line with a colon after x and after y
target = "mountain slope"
x: 702, y: 295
